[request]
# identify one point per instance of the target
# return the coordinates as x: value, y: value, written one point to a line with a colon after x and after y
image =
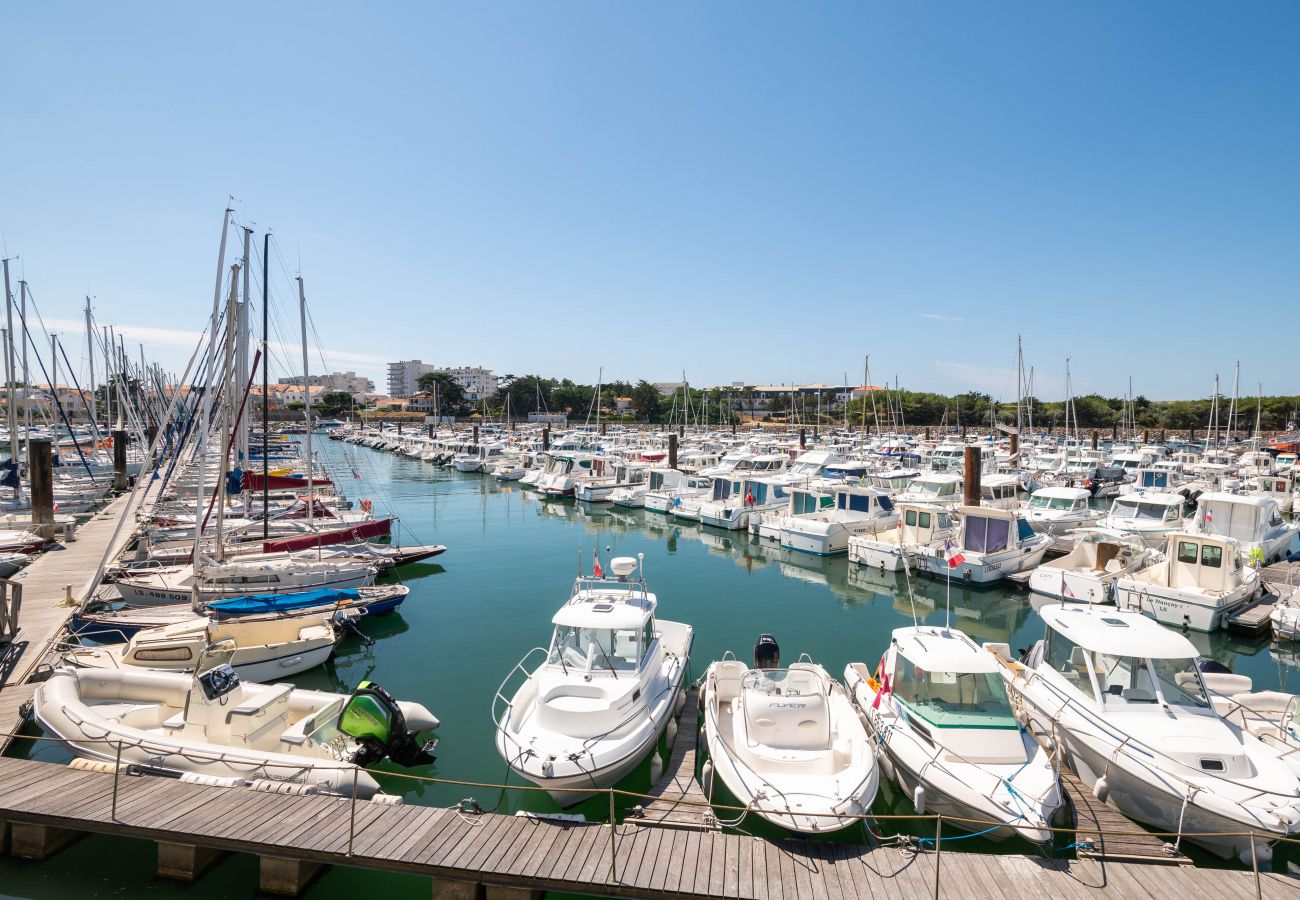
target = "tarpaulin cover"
x: 267, y: 603
x: 253, y: 481
x: 359, y: 532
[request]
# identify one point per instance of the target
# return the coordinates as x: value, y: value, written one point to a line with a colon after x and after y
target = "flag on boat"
x: 1209, y: 517
x: 596, y: 570
x: 749, y: 498
x: 884, y: 689
x: 1065, y: 589
x: 955, y: 559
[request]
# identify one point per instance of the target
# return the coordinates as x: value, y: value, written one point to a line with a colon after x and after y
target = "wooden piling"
x: 803, y: 438
x: 447, y: 889
x: 185, y: 862
x: 430, y: 429
x: 672, y: 451
x: 1015, y: 444
x: 971, y: 477
x: 36, y: 842
x: 604, y: 428
x: 40, y: 471
x: 475, y: 435
x: 119, y: 460
x: 546, y: 437
x: 1146, y: 437
x: 927, y: 432
x: 1094, y: 439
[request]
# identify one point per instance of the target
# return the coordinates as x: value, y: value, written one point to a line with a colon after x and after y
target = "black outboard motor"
x: 767, y: 653
x: 373, y: 718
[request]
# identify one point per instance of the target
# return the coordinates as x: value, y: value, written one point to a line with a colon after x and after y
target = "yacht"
x: 1087, y: 574
x: 855, y: 510
x: 586, y: 711
x: 787, y: 742
x: 939, y: 489
x: 991, y: 544
x: 939, y: 711
x: 1255, y: 523
x: 1122, y: 698
x: 657, y: 479
x: 672, y: 492
x: 1149, y: 515
x: 1199, y: 582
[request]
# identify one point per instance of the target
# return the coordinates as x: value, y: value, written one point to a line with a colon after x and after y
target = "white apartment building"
x: 477, y: 382
x: 404, y: 376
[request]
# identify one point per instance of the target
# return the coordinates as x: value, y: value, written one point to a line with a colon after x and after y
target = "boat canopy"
x: 1116, y: 632
x: 943, y: 650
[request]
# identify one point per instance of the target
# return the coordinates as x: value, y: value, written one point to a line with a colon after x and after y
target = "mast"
x: 205, y: 414
x: 227, y: 433
x: 27, y: 381
x: 1020, y: 383
x: 1232, y: 409
x: 90, y: 354
x: 306, y: 402
x: 241, y: 350
x: 9, y: 377
x: 266, y: 391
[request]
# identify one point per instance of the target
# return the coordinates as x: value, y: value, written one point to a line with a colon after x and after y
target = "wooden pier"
x: 1104, y: 833
x: 496, y: 856
x: 678, y: 800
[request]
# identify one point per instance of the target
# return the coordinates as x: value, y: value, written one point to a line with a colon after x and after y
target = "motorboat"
x: 1279, y: 487
x: 922, y: 530
x: 635, y: 495
x: 1255, y: 522
x: 266, y: 648
x: 1059, y: 510
x: 626, y: 476
x: 938, y: 489
x: 580, y: 715
x: 1087, y: 573
x: 1123, y: 700
x: 939, y: 710
x: 1200, y: 581
x: 267, y: 573
x: 1150, y: 515
x: 669, y: 498
x: 1000, y: 491
x: 756, y: 495
x: 855, y: 510
x: 991, y: 544
x: 787, y: 742
x: 214, y: 728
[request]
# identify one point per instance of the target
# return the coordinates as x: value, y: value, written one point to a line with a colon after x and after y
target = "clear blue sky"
x: 744, y: 190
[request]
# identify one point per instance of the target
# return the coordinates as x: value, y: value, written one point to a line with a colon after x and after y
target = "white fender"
x: 706, y: 778
x: 1101, y: 790
x: 656, y: 767
x: 680, y: 703
x: 672, y: 731
x: 918, y: 800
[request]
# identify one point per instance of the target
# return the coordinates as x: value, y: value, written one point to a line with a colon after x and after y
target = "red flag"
x: 884, y: 689
x: 596, y: 570
x: 749, y: 498
x: 955, y: 560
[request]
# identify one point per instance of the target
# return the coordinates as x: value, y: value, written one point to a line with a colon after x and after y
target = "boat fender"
x: 294, y: 788
x: 1101, y: 790
x: 706, y: 778
x: 918, y: 800
x: 680, y: 703
x: 886, y: 765
x: 387, y: 799
x: 656, y: 767
x: 672, y: 731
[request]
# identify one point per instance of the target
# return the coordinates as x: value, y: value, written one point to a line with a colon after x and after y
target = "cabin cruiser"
x: 1000, y: 491
x: 1122, y: 698
x: 854, y: 510
x: 756, y: 495
x: 1149, y: 515
x: 787, y: 742
x: 1281, y: 488
x: 1059, y: 510
x: 669, y: 496
x: 593, y: 705
x: 562, y: 472
x: 1166, y: 476
x: 658, y: 479
x: 214, y: 728
x: 618, y: 476
x: 922, y: 530
x: 991, y: 544
x: 1087, y: 574
x: 938, y: 708
x: 1255, y: 523
x: 938, y: 489
x: 1200, y: 581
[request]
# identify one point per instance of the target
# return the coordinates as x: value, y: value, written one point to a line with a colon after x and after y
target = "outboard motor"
x: 767, y: 653
x: 375, y: 720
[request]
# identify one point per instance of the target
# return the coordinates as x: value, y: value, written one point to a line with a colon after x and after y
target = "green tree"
x: 332, y: 404
x: 450, y: 395
x: 646, y: 401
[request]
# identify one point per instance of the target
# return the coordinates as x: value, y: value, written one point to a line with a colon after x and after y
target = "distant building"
x: 668, y: 387
x: 476, y: 382
x: 347, y: 382
x: 541, y: 418
x: 622, y: 404
x: 404, y: 376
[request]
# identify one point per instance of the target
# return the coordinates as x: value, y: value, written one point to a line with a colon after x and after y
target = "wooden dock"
x: 497, y: 856
x: 1099, y: 830
x: 1281, y: 573
x: 679, y: 801
x: 1253, y: 618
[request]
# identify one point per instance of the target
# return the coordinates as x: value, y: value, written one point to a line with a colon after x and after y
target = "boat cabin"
x: 607, y: 625
x: 999, y: 491
x: 938, y: 488
x: 988, y: 531
x: 863, y: 499
x: 1060, y: 500
x: 1210, y: 564
x: 1148, y: 509
x: 896, y: 480
x: 1251, y: 520
x: 923, y: 524
x: 948, y: 681
x: 805, y: 502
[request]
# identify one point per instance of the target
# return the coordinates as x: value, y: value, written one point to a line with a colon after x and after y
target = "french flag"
x: 956, y: 559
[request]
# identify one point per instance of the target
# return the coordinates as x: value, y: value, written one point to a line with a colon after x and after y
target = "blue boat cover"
x: 267, y: 603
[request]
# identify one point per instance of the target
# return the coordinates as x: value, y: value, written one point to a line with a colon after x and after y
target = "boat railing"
x: 503, y: 703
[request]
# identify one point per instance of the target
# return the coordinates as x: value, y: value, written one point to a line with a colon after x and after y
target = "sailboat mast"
x: 27, y: 381
x: 1232, y: 409
x: 90, y: 354
x: 306, y: 404
x: 200, y: 490
x: 266, y: 390
x: 9, y: 375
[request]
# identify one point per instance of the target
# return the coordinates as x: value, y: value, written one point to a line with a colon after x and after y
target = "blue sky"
x: 747, y: 191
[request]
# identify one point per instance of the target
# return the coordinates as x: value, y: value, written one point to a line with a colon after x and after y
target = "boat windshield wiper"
x: 608, y: 661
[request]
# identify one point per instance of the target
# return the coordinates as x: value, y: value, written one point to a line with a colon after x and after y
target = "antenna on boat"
x: 640, y: 566
x: 907, y: 575
x: 947, y: 616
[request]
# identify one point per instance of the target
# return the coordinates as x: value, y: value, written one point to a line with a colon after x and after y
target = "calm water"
x: 475, y: 611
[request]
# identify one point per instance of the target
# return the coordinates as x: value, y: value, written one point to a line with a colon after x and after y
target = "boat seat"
x: 271, y: 701
x: 787, y: 721
x: 726, y: 679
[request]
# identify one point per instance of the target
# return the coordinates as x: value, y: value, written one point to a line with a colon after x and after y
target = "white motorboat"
x: 1255, y: 522
x: 991, y: 544
x: 787, y: 743
x: 1200, y: 581
x: 938, y: 707
x: 668, y: 499
x: 855, y: 510
x: 592, y: 706
x: 266, y: 648
x: 756, y: 495
x: 659, y: 480
x: 1150, y: 515
x: 938, y: 489
x: 922, y: 530
x: 1123, y: 697
x: 214, y: 728
x: 1059, y: 510
x: 1087, y: 573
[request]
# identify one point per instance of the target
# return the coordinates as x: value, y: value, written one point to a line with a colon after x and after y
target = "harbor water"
x: 479, y: 608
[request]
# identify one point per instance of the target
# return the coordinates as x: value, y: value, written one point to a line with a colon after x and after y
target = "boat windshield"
x: 1040, y: 502
x: 589, y: 649
x: 1128, y: 680
x: 953, y: 699
x: 783, y: 682
x: 1131, y: 509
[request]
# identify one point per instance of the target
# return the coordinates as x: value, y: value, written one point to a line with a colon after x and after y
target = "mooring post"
x: 803, y: 438
x: 1254, y: 867
x: 1015, y: 444
x: 117, y: 769
x: 475, y: 435
x: 40, y: 471
x: 546, y: 438
x: 352, y: 813
x: 672, y: 451
x: 613, y: 827
x: 1094, y: 440
x: 971, y: 477
x: 119, y: 460
x: 938, y: 851
x: 430, y: 429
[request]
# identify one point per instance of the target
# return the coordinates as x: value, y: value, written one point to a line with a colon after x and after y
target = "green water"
x: 475, y: 611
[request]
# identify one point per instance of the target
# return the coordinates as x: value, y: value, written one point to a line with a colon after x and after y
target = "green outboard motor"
x: 375, y: 720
